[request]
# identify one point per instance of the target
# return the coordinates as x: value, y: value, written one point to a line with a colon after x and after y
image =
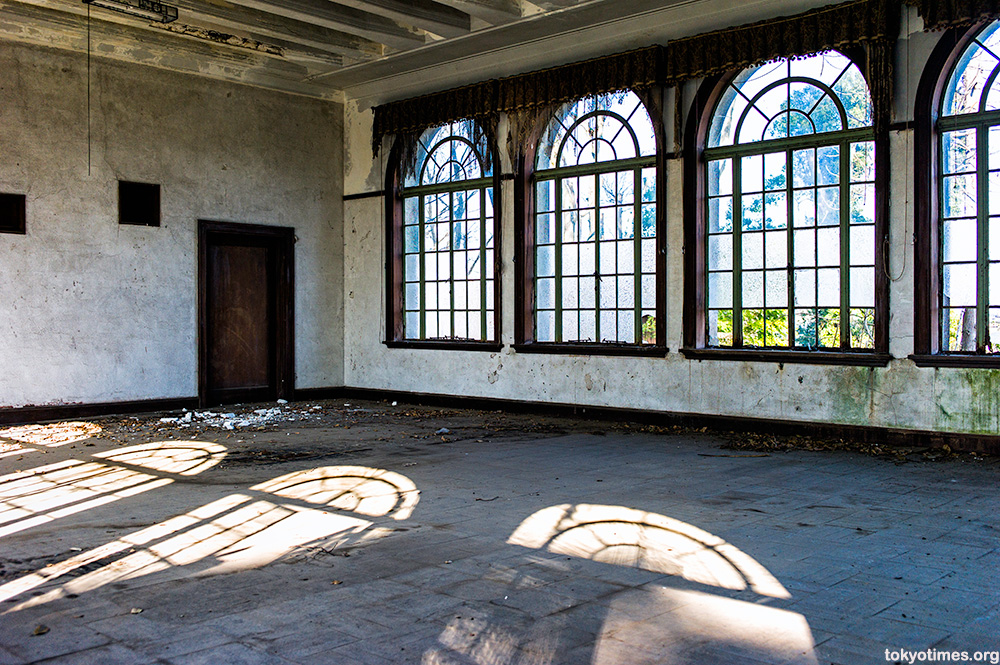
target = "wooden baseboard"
x: 47, y: 412
x: 986, y: 443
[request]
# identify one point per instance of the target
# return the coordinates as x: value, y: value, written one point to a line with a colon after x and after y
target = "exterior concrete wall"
x: 93, y: 311
x: 899, y: 396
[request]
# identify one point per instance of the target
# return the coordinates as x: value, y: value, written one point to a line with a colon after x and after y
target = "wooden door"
x: 245, y: 302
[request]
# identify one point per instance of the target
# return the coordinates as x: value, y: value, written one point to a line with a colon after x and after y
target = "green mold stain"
x: 983, y: 412
x: 851, y: 394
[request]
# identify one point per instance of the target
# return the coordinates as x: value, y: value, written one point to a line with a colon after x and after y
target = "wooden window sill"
x: 856, y: 358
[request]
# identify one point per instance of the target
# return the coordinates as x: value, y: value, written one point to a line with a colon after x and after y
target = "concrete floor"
x: 364, y: 534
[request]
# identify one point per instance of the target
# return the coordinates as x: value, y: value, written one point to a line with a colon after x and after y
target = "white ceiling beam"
x: 338, y: 17
x: 278, y: 27
x: 495, y: 12
x: 424, y: 14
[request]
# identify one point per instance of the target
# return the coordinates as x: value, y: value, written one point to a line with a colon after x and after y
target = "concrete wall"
x: 900, y: 395
x: 93, y: 311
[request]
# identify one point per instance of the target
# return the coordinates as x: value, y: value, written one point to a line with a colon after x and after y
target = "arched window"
x: 789, y: 231
x: 595, y: 231
x: 444, y: 284
x: 968, y: 230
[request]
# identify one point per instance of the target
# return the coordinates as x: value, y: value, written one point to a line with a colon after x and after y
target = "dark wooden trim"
x: 311, y: 394
x: 364, y: 195
x: 901, y: 126
x: 955, y: 360
x: 393, y: 245
x: 926, y: 313
x: 857, y: 358
x: 44, y: 413
x: 282, y: 240
x: 585, y: 349
x: 13, y: 213
x: 698, y: 123
x: 858, y: 433
x: 508, y: 176
x: 443, y: 344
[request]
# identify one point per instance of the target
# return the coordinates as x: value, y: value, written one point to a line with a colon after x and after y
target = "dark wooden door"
x: 245, y: 297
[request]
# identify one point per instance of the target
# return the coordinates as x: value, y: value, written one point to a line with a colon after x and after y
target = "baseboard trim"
x: 48, y: 412
x: 986, y: 443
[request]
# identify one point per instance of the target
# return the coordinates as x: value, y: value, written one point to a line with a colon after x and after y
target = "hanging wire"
x: 907, y: 165
x: 89, y: 141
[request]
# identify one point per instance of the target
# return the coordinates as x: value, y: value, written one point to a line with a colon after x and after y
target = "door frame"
x: 281, y: 239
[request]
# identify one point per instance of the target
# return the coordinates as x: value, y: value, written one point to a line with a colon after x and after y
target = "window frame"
x: 927, y: 201
x: 394, y: 249
x: 699, y: 123
x: 524, y: 240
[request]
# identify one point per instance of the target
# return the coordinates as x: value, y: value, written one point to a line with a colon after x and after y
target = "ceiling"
x: 315, y: 47
x: 371, y: 51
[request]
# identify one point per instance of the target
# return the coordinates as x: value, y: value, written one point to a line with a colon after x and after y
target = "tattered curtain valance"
x: 869, y: 23
x: 941, y: 14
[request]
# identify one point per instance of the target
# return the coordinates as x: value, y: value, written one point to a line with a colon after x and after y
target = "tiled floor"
x: 385, y: 542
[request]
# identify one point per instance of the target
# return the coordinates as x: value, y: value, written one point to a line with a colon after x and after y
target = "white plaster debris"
x: 231, y: 421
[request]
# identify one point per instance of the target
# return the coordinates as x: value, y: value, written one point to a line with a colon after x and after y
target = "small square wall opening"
x: 12, y: 213
x: 138, y: 203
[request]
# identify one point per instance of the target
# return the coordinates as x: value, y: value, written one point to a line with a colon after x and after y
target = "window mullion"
x: 422, y: 268
x: 597, y: 253
x: 737, y: 253
x: 451, y: 264
x: 637, y: 251
x: 845, y: 247
x: 790, y: 246
x: 557, y: 259
x: 982, y: 235
x: 483, y: 277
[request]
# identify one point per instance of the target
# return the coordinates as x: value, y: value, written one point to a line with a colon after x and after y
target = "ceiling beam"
x: 495, y: 12
x: 347, y: 19
x: 424, y: 14
x: 290, y: 51
x: 262, y: 23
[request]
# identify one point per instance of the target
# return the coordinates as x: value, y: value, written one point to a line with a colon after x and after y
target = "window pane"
x: 776, y: 327
x: 828, y: 287
x: 720, y: 215
x: 775, y: 167
x: 959, y: 151
x: 753, y: 289
x: 720, y: 177
x: 720, y: 327
x: 863, y: 204
x: 753, y: 251
x: 862, y: 287
x: 862, y: 161
x: 776, y: 288
x: 862, y: 328
x: 776, y: 210
x: 828, y: 165
x: 862, y: 245
x: 828, y: 206
x: 828, y: 246
x: 545, y: 326
x: 958, y: 240
x: 752, y: 173
x: 828, y: 327
x: 805, y: 328
x: 959, y: 195
x: 753, y: 327
x: 805, y: 288
x: 804, y: 208
x: 804, y: 247
x: 958, y: 288
x: 720, y: 289
x: 776, y: 249
x: 720, y: 252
